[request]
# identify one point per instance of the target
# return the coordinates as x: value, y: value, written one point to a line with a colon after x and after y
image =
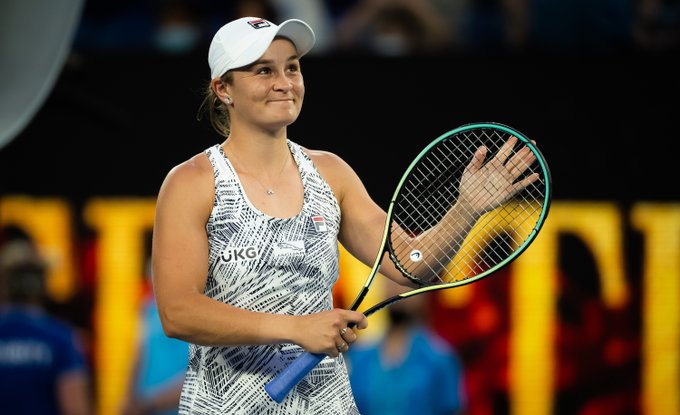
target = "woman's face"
x: 269, y: 93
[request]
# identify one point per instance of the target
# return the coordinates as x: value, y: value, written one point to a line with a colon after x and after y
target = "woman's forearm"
x: 201, y: 320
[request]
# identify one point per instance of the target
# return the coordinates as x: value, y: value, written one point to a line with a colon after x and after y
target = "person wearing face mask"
x: 393, y: 28
x: 43, y: 365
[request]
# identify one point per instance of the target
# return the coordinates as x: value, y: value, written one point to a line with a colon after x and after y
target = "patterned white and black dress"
x: 273, y: 265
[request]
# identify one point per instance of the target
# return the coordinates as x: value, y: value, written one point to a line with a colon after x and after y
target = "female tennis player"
x: 245, y: 248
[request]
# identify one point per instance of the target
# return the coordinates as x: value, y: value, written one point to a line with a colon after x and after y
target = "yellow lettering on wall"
x: 660, y: 307
x: 532, y: 321
x: 48, y: 222
x: 121, y: 226
x: 533, y: 291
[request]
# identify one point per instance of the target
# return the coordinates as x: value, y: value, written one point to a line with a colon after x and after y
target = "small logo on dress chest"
x: 289, y: 248
x: 319, y: 223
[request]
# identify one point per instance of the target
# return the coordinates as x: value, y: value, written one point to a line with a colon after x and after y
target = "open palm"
x: 484, y: 186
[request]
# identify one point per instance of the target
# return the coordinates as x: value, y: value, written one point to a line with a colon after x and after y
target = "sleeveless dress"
x: 274, y: 265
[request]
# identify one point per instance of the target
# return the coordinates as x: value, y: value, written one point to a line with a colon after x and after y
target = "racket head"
x: 430, y: 187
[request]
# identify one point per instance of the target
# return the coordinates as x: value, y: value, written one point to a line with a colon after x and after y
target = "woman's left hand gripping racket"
x: 469, y: 204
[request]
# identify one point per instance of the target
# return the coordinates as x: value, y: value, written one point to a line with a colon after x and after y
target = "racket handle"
x: 290, y: 376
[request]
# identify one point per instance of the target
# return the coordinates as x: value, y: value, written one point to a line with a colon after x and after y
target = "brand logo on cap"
x: 259, y: 23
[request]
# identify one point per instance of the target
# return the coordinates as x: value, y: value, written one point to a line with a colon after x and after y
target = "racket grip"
x: 290, y: 376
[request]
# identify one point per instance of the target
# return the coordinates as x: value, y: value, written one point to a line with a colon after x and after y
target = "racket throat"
x: 359, y: 299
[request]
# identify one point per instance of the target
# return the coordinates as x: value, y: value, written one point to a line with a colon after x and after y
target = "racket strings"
x: 513, y: 223
x: 431, y: 190
x: 507, y: 228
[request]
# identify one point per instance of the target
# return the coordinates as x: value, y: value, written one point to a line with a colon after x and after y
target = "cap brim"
x: 295, y: 30
x: 299, y: 33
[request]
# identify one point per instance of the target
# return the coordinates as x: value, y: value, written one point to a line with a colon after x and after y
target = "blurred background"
x: 98, y: 100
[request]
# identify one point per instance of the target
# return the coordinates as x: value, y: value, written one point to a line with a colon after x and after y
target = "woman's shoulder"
x: 335, y: 170
x: 193, y: 173
x: 195, y: 167
x: 324, y: 159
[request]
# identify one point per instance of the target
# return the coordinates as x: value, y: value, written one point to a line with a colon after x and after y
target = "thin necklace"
x: 269, y: 190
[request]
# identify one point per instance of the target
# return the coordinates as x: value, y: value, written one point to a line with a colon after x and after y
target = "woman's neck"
x: 262, y: 154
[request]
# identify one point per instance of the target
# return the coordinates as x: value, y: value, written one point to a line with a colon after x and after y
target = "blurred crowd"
x: 394, y: 27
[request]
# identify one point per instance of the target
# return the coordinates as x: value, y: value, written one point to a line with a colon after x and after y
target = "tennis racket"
x: 470, y: 203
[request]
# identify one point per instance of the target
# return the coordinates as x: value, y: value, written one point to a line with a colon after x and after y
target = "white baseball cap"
x: 243, y: 41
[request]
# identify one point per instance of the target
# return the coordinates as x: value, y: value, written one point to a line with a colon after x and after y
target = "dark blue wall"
x: 115, y: 124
